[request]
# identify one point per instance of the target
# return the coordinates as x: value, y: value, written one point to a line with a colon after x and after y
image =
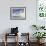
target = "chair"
x: 25, y: 36
x: 14, y: 32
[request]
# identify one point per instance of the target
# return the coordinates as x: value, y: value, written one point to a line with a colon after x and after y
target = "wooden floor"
x: 13, y: 44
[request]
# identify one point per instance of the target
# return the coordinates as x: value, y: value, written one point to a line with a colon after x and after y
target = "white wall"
x: 24, y: 25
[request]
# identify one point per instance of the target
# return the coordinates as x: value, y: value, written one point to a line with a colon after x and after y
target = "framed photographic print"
x: 18, y: 13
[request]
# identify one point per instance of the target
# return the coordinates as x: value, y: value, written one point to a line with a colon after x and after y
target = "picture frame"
x: 17, y: 13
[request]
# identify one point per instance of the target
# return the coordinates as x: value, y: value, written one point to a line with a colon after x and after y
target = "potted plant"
x: 39, y: 35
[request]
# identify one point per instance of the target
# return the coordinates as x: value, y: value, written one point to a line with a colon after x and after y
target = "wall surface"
x: 24, y: 25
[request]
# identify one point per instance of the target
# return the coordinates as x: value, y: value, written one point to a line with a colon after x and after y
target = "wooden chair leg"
x: 17, y: 39
x: 5, y: 39
x: 5, y: 43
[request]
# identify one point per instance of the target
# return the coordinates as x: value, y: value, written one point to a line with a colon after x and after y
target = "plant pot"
x: 40, y: 41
